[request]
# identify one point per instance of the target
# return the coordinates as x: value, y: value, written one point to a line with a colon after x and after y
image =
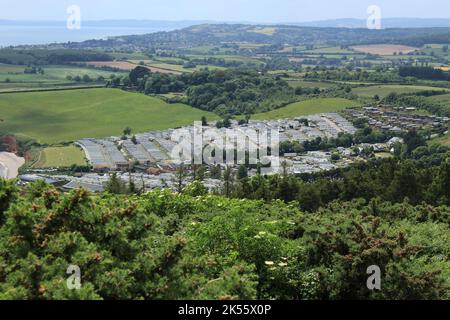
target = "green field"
x: 227, y: 57
x: 54, y: 117
x: 179, y: 68
x: 13, y: 77
x: 443, y: 99
x: 307, y: 107
x: 52, y: 157
x: 445, y: 140
x: 264, y: 30
x: 330, y: 50
x: 384, y: 90
x: 310, y: 84
x: 51, y: 73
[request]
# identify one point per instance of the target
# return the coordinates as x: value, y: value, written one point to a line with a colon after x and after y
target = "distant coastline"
x: 15, y: 35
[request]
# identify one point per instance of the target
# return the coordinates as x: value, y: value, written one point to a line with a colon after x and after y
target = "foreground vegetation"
x: 162, y: 245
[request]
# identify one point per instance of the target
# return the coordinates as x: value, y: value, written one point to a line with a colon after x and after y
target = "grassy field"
x: 310, y: 84
x: 51, y: 73
x: 264, y: 30
x: 443, y: 99
x: 445, y: 140
x: 54, y: 117
x: 226, y: 57
x: 52, y: 157
x: 330, y: 50
x: 179, y: 68
x: 13, y: 77
x: 307, y: 107
x: 384, y: 90
x: 383, y: 49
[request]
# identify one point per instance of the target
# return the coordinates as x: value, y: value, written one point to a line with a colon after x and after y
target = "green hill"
x: 54, y: 117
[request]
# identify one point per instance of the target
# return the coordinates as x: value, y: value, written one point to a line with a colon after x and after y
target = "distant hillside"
x: 178, y: 24
x: 219, y: 34
x: 386, y: 23
x: 151, y: 24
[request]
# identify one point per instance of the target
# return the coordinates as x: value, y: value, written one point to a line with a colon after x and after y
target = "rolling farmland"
x: 13, y: 77
x: 383, y: 49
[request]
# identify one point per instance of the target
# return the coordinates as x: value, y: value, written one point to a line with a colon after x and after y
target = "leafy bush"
x: 162, y: 245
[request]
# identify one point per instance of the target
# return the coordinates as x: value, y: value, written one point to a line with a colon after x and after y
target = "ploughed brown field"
x: 127, y: 66
x: 384, y: 49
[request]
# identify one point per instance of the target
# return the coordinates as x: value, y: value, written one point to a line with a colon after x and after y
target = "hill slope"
x: 218, y: 34
x: 308, y: 107
x: 53, y: 117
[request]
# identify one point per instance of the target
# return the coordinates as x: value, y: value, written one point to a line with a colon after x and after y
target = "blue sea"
x: 13, y: 35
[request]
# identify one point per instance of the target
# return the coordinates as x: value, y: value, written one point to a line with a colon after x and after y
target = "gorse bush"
x: 162, y: 245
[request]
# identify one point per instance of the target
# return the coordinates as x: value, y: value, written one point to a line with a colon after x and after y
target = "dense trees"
x: 138, y: 73
x: 421, y: 177
x: 359, y: 74
x: 53, y: 56
x: 364, y: 135
x: 234, y: 92
x: 224, y: 92
x: 428, y: 73
x: 419, y: 102
x: 162, y: 245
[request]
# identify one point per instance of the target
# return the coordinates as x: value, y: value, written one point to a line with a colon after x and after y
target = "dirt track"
x: 9, y: 165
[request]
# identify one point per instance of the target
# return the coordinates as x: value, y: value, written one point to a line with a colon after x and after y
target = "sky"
x: 269, y: 11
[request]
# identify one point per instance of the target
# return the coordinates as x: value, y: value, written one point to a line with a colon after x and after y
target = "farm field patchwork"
x: 128, y: 66
x: 51, y: 73
x: 179, y: 68
x: 308, y: 107
x: 13, y: 77
x: 121, y: 65
x: 330, y: 50
x: 55, y: 117
x: 384, y: 49
x: 264, y: 30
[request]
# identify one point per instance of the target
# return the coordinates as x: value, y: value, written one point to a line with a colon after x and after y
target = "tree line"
x: 427, y: 73
x: 226, y: 92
